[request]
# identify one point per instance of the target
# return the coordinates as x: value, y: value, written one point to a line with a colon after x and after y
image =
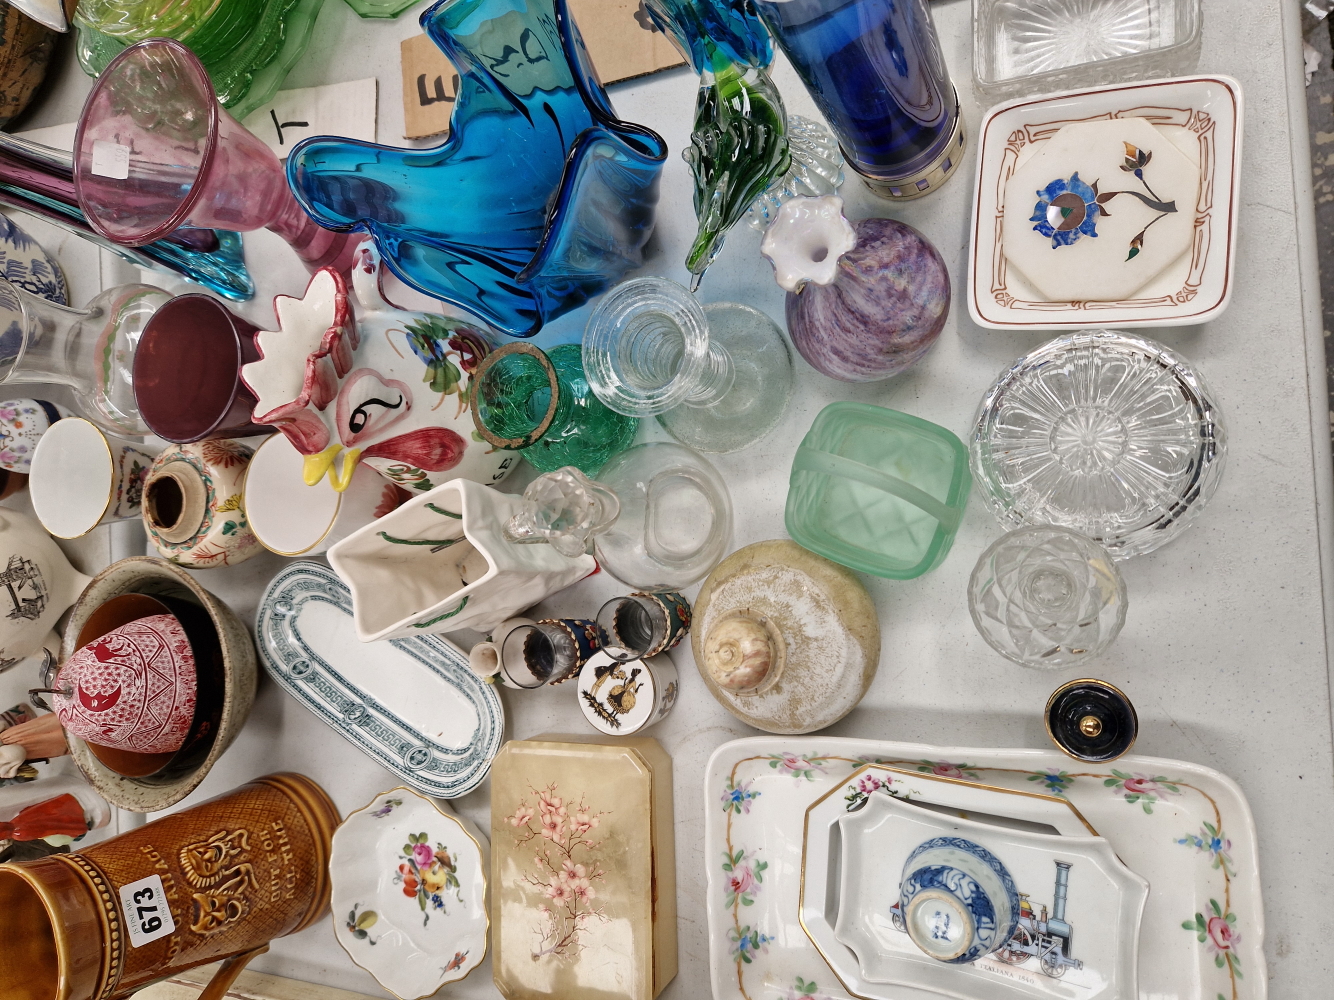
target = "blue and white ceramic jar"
x: 957, y: 899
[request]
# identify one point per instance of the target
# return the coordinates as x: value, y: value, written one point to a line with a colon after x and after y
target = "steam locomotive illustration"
x: 1038, y: 934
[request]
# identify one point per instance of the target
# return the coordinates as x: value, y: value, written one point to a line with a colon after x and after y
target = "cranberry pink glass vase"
x: 154, y: 152
x: 540, y: 199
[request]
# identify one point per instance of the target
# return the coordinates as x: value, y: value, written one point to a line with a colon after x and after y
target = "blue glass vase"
x: 539, y: 199
x: 877, y: 74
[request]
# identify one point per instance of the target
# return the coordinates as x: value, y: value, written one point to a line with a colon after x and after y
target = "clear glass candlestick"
x: 717, y: 377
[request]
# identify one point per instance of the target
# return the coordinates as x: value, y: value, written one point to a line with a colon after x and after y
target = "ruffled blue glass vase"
x: 539, y: 199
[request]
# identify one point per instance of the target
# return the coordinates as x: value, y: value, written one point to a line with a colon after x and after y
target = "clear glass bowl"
x: 1027, y: 47
x: 1047, y: 597
x: 1102, y: 432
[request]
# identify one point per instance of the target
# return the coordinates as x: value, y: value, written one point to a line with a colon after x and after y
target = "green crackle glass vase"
x: 247, y: 46
x: 738, y: 146
x: 541, y: 404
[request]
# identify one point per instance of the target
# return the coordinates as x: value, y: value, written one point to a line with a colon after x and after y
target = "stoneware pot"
x: 957, y: 900
x: 621, y: 698
x: 235, y: 669
x: 373, y: 389
x: 82, y: 477
x: 192, y: 504
x: 409, y: 881
x: 39, y: 584
x: 441, y: 562
x: 864, y: 302
x: 293, y: 519
x: 217, y: 881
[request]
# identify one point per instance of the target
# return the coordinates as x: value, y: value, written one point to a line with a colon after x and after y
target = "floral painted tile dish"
x: 1190, y: 123
x: 409, y: 884
x: 1075, y: 929
x: 1184, y: 828
x: 412, y: 705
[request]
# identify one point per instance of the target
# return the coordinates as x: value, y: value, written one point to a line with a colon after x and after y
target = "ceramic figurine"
x: 410, y: 879
x: 641, y: 625
x: 583, y: 868
x: 90, y: 350
x: 39, y: 180
x: 540, y: 402
x: 293, y: 519
x: 193, y: 508
x: 564, y: 509
x: 877, y: 75
x: 418, y: 710
x: 640, y: 548
x: 441, y: 562
x: 373, y: 390
x: 546, y: 652
x: 195, y: 165
x: 224, y: 657
x: 816, y: 171
x: 81, y: 477
x: 738, y: 146
x: 39, y: 585
x: 863, y: 303
x: 216, y: 881
x: 26, y: 44
x: 788, y: 642
x: 1091, y: 720
x: 247, y: 48
x: 717, y: 377
x: 34, y: 811
x: 561, y: 194
x: 131, y: 689
x: 61, y: 817
x: 26, y: 265
x: 625, y: 697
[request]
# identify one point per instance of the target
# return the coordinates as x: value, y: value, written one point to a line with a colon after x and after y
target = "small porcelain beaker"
x: 641, y: 625
x: 625, y: 697
x: 547, y: 652
x: 82, y: 477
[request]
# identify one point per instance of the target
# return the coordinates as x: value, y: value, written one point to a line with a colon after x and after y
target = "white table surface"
x: 1225, y: 651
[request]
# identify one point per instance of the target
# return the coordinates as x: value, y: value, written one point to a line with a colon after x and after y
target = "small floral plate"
x: 1202, y: 115
x: 410, y: 893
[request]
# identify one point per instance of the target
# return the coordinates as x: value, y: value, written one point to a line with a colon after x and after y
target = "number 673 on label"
x: 147, y: 916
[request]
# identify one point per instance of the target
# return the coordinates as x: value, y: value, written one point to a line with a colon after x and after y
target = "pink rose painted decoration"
x: 133, y: 689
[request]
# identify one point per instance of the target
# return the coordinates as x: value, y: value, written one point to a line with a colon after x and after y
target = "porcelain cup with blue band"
x: 957, y: 900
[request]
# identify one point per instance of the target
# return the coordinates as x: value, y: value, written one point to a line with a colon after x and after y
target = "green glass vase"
x: 247, y: 46
x: 525, y: 399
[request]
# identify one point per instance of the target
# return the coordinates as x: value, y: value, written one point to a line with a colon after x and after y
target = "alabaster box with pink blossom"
x: 583, y: 870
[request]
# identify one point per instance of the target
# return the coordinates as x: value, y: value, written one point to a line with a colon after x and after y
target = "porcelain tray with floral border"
x: 1202, y: 115
x: 852, y: 864
x: 410, y: 893
x: 412, y: 705
x: 1184, y: 828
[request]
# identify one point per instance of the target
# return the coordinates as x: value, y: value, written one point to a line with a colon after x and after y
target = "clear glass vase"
x: 717, y: 377
x: 90, y: 350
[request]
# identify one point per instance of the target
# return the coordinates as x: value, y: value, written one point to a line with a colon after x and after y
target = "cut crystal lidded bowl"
x: 1102, y: 432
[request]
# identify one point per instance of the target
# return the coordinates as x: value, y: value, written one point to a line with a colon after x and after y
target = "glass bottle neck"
x: 715, y: 378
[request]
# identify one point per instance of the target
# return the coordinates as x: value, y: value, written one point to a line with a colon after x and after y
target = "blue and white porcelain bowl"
x: 957, y: 899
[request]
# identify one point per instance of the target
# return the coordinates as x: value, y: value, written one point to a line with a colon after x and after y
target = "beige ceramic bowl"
x: 155, y: 577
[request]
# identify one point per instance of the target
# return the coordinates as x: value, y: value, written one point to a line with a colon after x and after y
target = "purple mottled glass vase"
x: 883, y: 310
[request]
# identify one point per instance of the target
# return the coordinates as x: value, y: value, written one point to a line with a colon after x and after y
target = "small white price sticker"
x: 146, y: 912
x: 111, y: 159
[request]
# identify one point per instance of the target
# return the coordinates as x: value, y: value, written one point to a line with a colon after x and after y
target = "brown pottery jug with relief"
x: 217, y: 881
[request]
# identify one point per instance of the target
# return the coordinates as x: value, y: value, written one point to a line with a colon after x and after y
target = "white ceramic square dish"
x: 854, y: 919
x: 1185, y: 828
x: 1201, y: 115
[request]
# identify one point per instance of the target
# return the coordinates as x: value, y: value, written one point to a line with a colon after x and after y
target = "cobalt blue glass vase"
x: 539, y: 199
x: 877, y: 74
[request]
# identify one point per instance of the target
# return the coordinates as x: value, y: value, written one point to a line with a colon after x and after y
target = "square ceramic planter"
x: 1201, y: 116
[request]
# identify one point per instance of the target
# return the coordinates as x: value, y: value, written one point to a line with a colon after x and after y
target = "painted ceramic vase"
x: 217, y: 881
x: 624, y: 697
x: 39, y: 585
x: 410, y: 879
x: 958, y: 900
x: 441, y: 562
x: 192, y: 506
x: 131, y: 689
x: 293, y: 519
x: 81, y: 477
x: 864, y: 302
x: 640, y: 625
x: 547, y: 652
x: 375, y: 390
x: 25, y: 264
x: 22, y: 424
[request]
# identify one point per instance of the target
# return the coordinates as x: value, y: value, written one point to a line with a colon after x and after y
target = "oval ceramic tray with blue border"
x: 413, y: 705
